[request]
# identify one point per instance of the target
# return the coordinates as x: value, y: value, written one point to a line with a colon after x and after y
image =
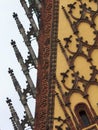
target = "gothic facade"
x: 66, y: 92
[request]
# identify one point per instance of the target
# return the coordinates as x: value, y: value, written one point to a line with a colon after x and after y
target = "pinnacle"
x: 10, y: 71
x: 13, y: 43
x: 15, y: 15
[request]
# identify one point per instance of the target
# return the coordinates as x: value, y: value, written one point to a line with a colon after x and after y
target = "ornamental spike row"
x: 26, y: 40
x: 24, y: 68
x: 22, y: 98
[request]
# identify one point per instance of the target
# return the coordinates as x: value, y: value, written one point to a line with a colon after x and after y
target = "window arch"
x: 83, y: 114
x: 84, y: 118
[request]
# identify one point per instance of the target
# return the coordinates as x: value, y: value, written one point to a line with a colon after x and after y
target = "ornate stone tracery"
x: 66, y: 49
x: 84, y: 47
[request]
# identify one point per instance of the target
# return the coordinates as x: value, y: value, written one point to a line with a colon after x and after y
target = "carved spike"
x: 18, y: 54
x: 19, y: 24
x: 15, y: 82
x: 10, y: 71
x: 14, y: 114
x: 15, y: 15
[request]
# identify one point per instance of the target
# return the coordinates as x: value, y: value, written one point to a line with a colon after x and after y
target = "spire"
x: 32, y: 21
x: 16, y: 122
x: 26, y: 39
x: 22, y: 98
x: 24, y: 68
x: 15, y: 82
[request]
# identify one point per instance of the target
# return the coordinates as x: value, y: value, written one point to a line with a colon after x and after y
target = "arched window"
x: 83, y: 114
x: 84, y: 118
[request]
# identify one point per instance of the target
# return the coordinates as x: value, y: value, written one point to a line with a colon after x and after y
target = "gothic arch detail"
x: 83, y: 114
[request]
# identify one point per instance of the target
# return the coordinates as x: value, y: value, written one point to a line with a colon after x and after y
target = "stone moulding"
x: 46, y: 65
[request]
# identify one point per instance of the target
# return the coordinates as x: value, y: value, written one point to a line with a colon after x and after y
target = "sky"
x: 9, y: 31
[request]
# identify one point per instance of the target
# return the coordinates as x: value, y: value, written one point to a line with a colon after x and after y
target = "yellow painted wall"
x: 81, y: 64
